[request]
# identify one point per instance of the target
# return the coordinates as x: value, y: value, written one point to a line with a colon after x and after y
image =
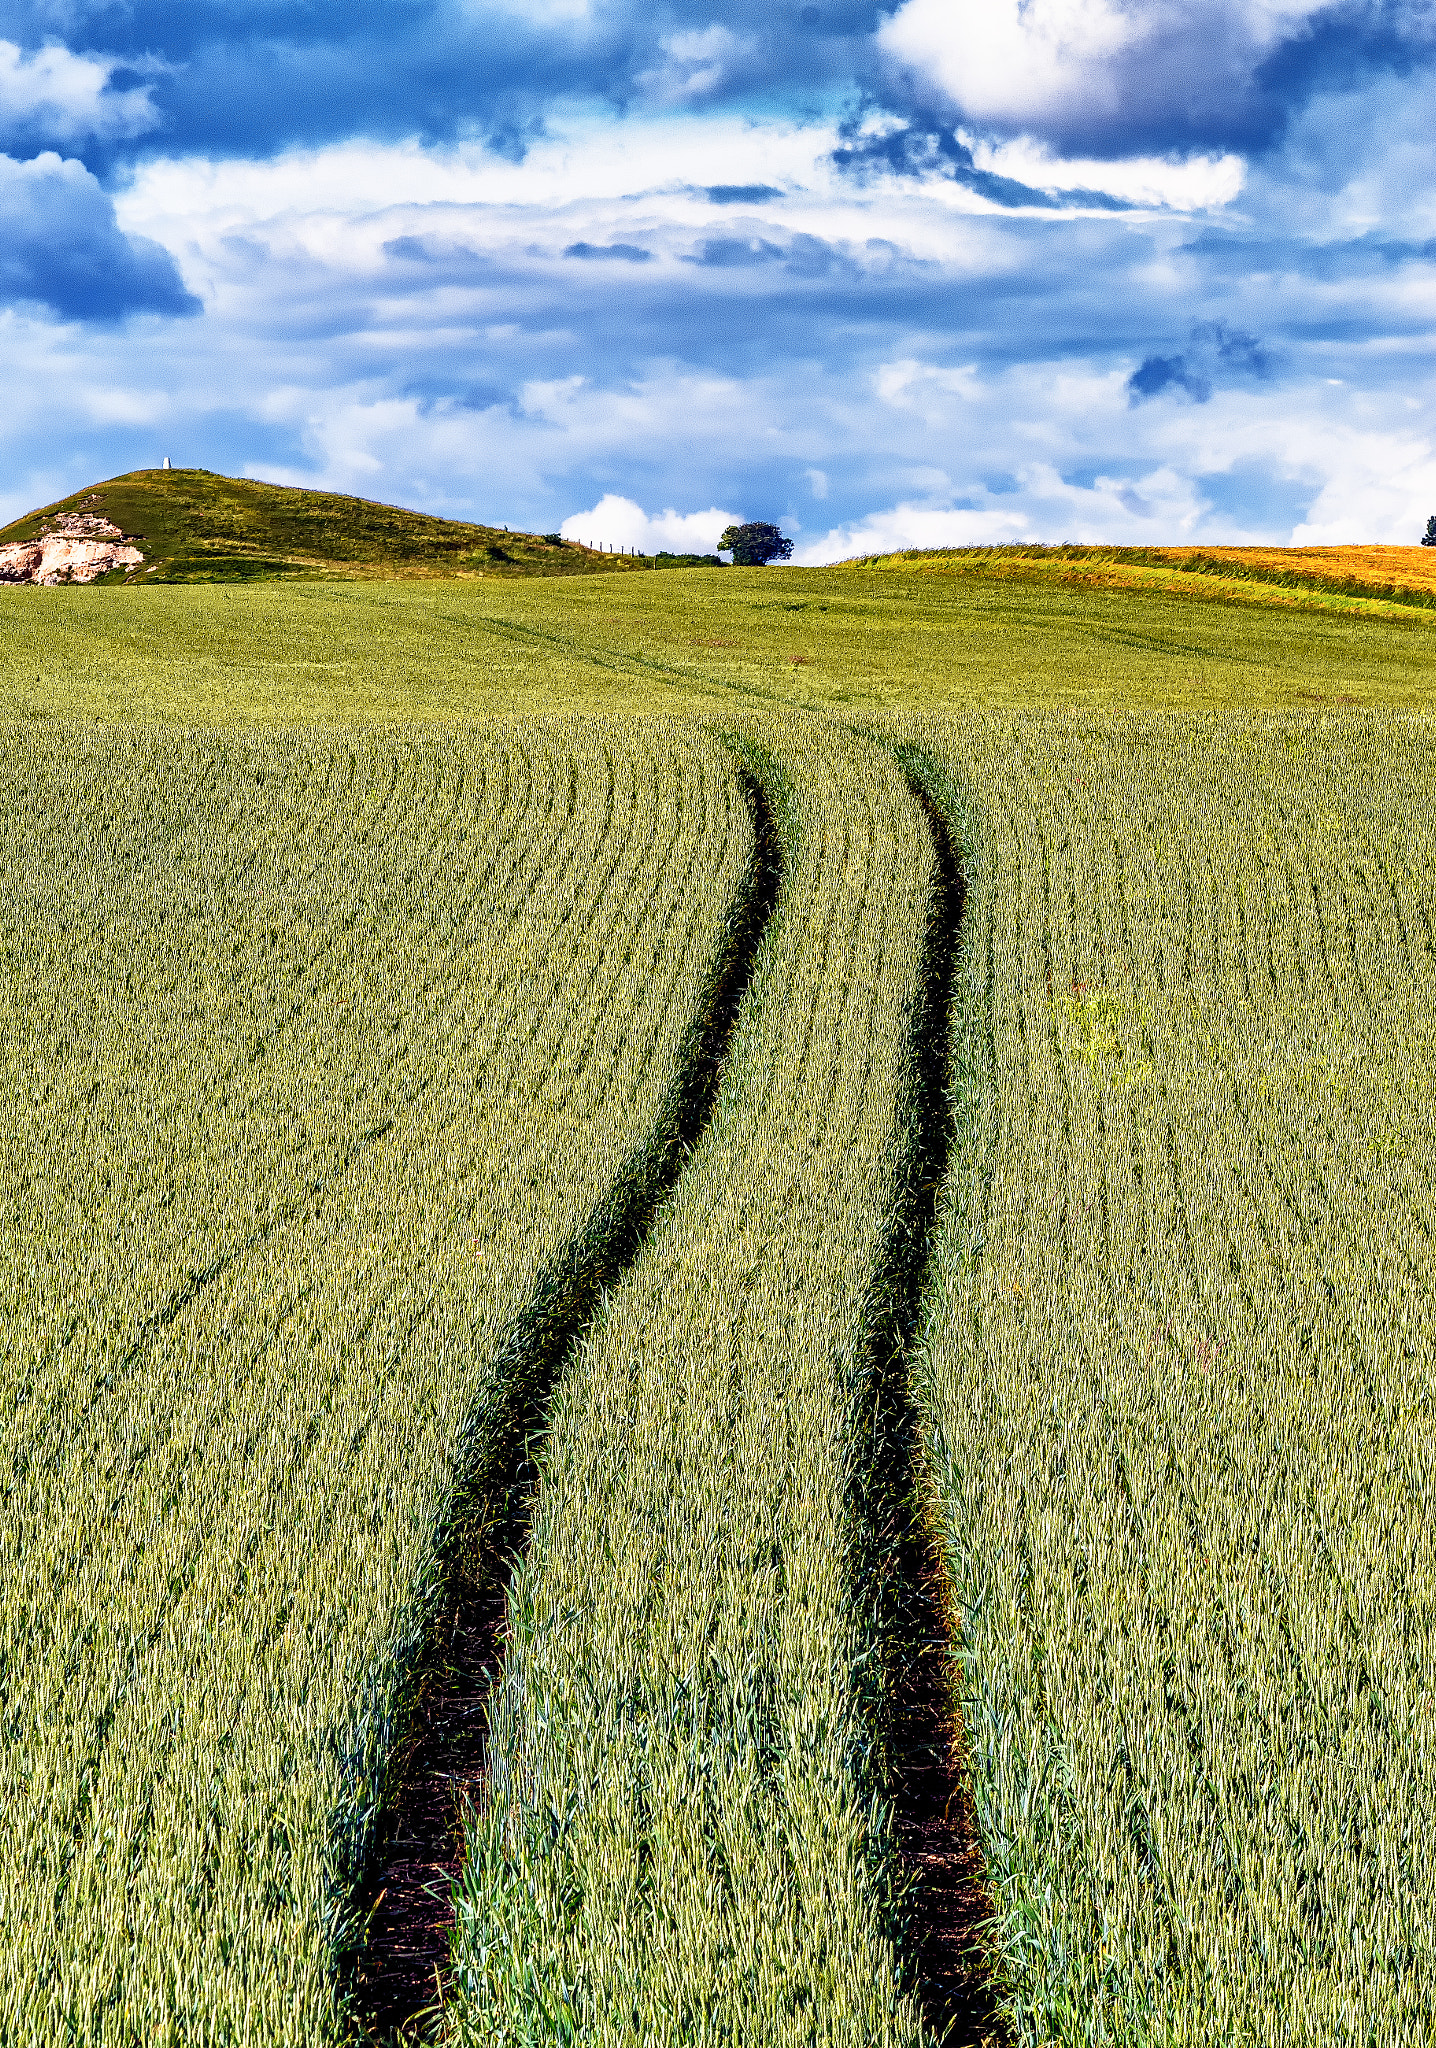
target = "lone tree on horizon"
x: 1428, y: 538
x: 753, y: 545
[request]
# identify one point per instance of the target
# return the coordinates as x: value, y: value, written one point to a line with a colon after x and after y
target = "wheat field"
x: 1178, y: 1370
x: 830, y: 1083
x: 684, y: 1837
x: 320, y: 1054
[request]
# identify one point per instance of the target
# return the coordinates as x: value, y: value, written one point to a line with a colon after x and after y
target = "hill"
x: 193, y: 526
x: 1294, y: 576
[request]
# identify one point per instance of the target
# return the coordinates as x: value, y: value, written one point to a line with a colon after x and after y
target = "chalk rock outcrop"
x: 74, y: 548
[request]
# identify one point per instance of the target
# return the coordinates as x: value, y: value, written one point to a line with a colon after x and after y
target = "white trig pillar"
x: 166, y: 463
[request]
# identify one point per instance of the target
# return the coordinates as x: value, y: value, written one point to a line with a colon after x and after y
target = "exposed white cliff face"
x: 75, y: 548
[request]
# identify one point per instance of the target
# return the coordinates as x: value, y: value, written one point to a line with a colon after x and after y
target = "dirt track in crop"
x: 934, y: 1822
x: 397, y: 1980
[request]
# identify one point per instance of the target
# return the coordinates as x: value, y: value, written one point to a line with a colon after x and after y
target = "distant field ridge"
x: 1394, y: 575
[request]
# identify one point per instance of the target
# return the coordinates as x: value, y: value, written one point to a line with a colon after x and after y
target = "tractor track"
x: 395, y: 1979
x: 944, y: 1904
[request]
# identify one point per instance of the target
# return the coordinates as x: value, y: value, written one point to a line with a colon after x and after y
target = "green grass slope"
x: 833, y: 641
x: 194, y: 526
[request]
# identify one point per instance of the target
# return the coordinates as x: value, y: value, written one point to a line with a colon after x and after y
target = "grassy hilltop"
x: 194, y: 526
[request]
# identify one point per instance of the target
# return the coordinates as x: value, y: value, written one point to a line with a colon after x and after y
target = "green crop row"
x: 331, y: 1062
x: 1178, y: 1369
x: 684, y: 1838
x: 844, y: 642
x: 318, y: 1052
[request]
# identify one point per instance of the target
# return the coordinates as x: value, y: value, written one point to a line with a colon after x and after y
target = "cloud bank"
x: 1065, y: 269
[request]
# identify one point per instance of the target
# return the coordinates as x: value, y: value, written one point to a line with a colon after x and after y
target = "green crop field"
x: 320, y: 1059
x: 1179, y: 1367
x: 683, y: 1713
x: 717, y: 1323
x: 842, y: 641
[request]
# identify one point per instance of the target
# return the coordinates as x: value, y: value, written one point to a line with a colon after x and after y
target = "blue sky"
x: 933, y: 271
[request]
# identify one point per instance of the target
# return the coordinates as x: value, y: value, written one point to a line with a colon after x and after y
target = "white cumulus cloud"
x: 1011, y: 61
x: 914, y: 526
x: 1047, y: 507
x: 620, y: 523
x: 1384, y: 490
x: 62, y: 95
x: 1032, y: 66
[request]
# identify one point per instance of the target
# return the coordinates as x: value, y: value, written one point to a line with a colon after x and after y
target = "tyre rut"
x: 940, y: 1863
x: 396, y: 1979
